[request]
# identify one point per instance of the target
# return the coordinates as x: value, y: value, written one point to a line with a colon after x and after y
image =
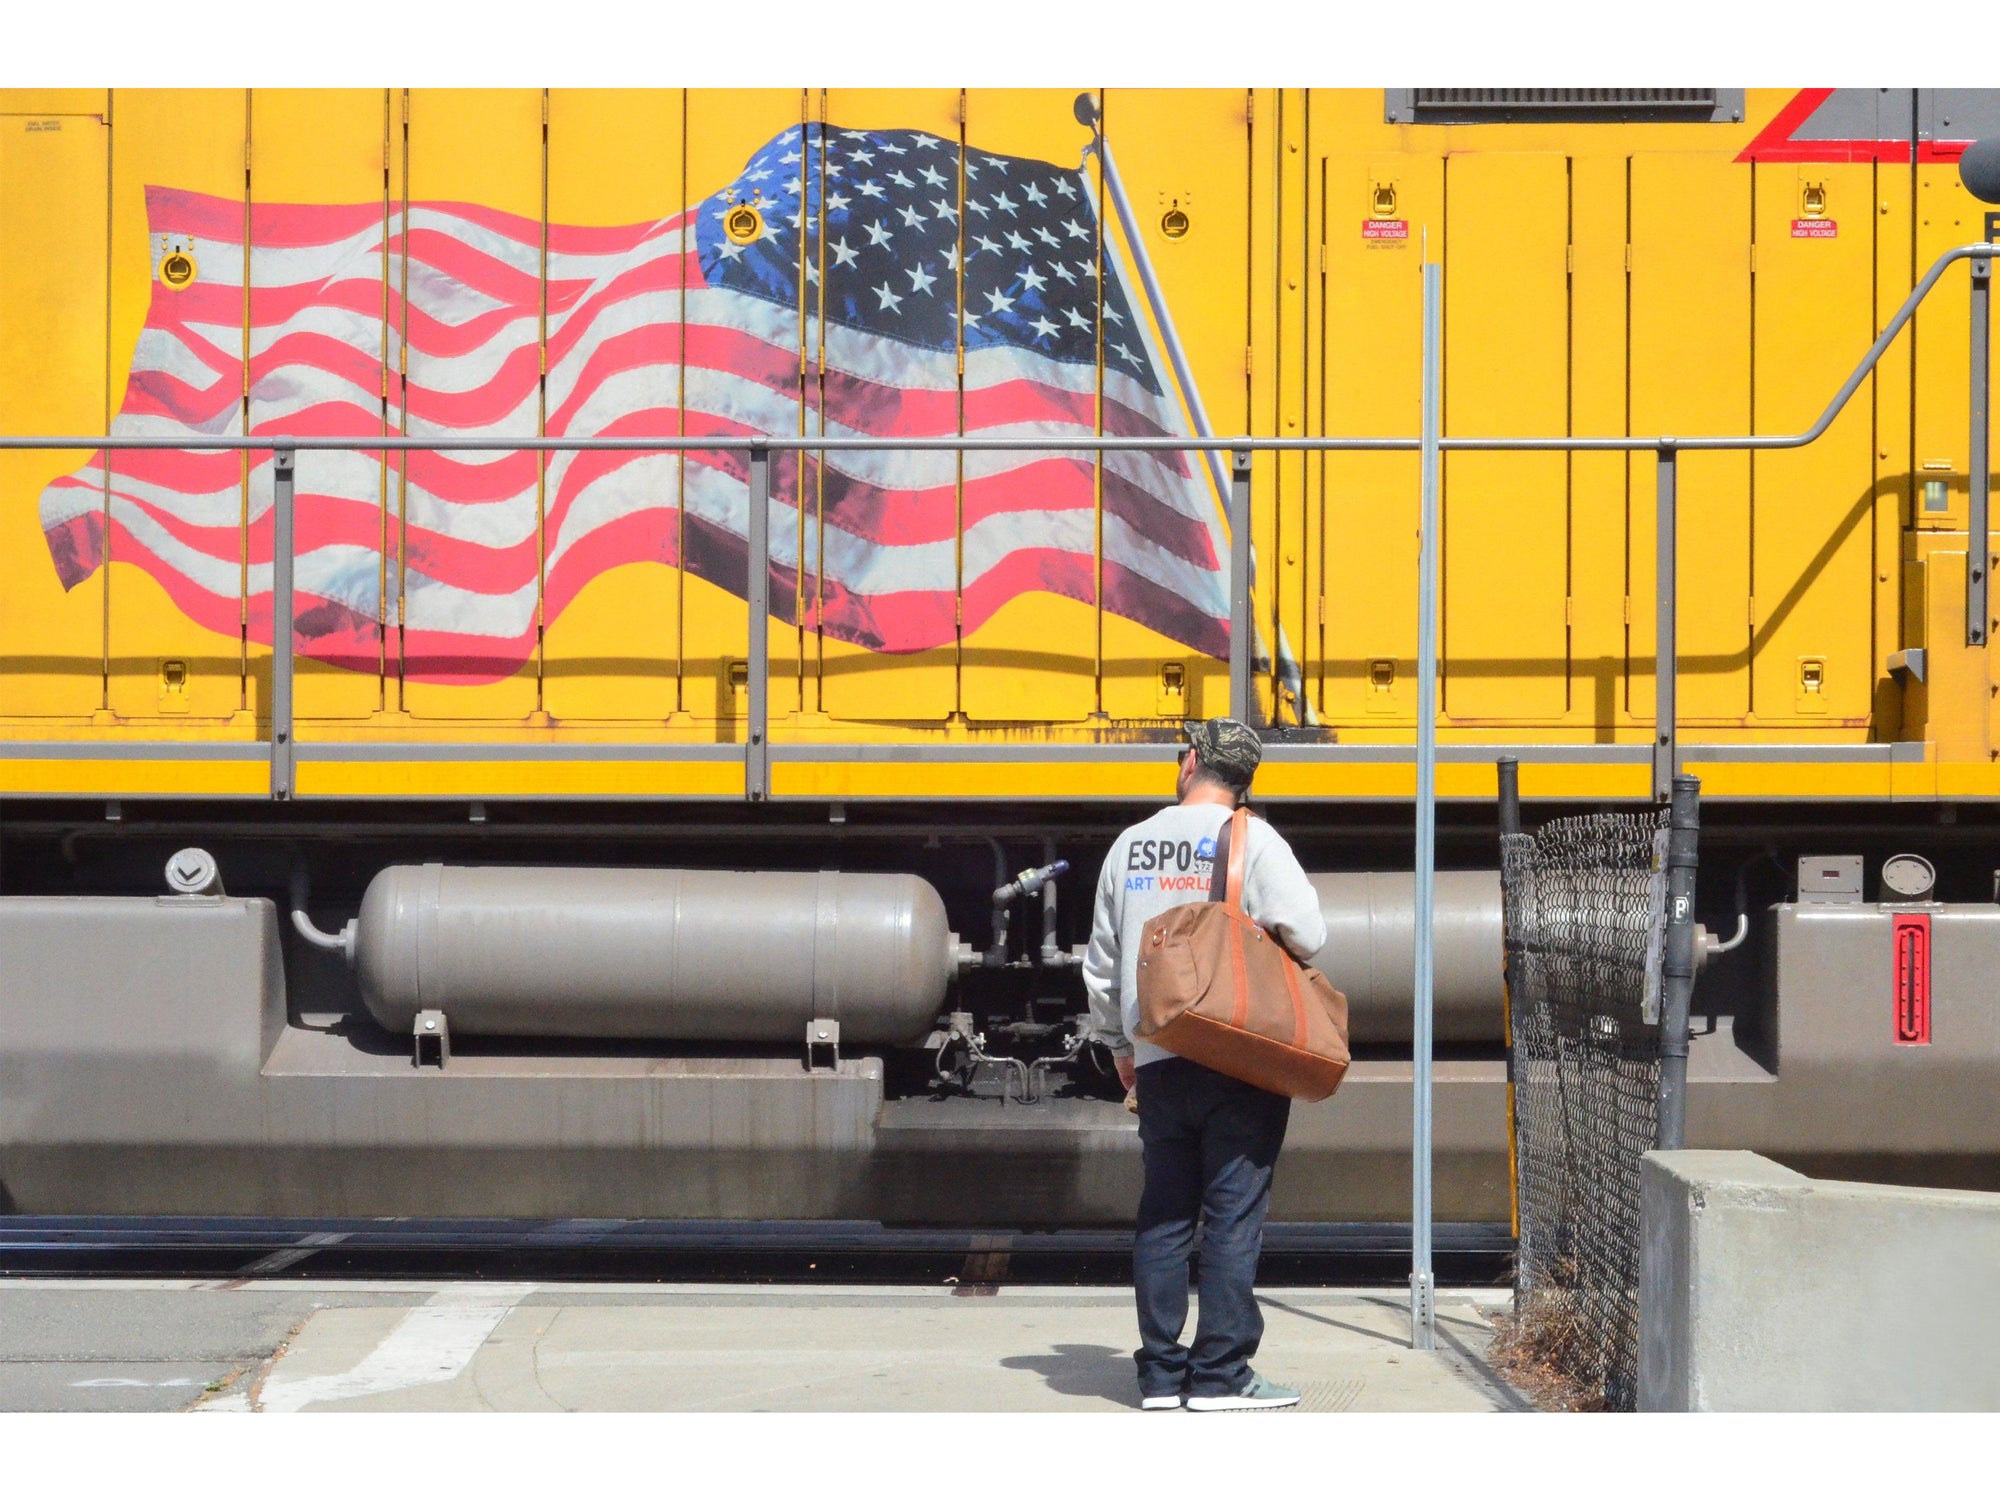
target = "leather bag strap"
x: 1239, y: 854
x: 1218, y: 880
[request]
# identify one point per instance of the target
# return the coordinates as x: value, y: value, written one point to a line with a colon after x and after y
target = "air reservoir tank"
x: 1371, y: 946
x: 681, y: 955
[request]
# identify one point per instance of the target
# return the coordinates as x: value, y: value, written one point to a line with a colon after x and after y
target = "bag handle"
x: 1231, y: 858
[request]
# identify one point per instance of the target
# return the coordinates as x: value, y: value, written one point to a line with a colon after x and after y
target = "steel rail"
x: 387, y: 443
x: 757, y: 752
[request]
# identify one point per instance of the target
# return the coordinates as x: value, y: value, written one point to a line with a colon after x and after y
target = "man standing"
x: 1210, y: 1141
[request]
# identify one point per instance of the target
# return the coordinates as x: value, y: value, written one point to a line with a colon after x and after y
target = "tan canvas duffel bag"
x: 1217, y: 989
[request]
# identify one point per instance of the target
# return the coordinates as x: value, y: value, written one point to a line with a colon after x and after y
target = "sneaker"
x: 1160, y: 1403
x: 1258, y: 1395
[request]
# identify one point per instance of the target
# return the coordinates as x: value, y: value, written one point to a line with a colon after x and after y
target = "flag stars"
x: 998, y: 302
x: 1043, y: 328
x: 984, y: 245
x: 842, y: 255
x: 932, y: 177
x: 911, y: 217
x: 945, y: 210
x: 891, y: 302
x: 1076, y: 319
x: 900, y: 180
x: 1063, y: 187
x: 871, y: 189
x: 920, y: 280
x: 1005, y: 204
x: 1034, y: 195
x: 1033, y: 280
x: 1019, y: 241
x: 866, y: 158
x: 877, y: 235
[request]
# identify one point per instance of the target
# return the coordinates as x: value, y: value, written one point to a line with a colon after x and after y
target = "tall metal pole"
x: 756, y: 748
x: 1423, y: 1284
x: 282, y: 549
x: 1979, y: 544
x: 1666, y: 645
x: 1242, y: 629
x: 1507, y: 774
x: 1677, y: 961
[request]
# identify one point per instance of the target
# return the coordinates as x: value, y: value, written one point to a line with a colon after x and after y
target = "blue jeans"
x: 1210, y: 1144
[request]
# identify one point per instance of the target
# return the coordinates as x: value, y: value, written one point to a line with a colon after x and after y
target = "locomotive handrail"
x: 756, y: 750
x: 396, y: 443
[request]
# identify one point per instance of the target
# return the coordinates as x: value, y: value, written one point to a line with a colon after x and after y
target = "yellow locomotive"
x: 555, y: 647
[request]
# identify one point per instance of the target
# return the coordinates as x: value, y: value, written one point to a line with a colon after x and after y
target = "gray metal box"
x: 1829, y: 878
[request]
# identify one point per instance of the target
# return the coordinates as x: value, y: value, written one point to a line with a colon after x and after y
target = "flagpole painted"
x: 1156, y: 299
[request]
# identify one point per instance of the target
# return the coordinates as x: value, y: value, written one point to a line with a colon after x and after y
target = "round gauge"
x: 1908, y: 877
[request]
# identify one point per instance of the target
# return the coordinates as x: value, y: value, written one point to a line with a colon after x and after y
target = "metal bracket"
x: 430, y: 1040
x: 1242, y: 697
x: 1423, y: 1310
x: 1911, y: 659
x: 757, y: 594
x: 822, y: 1046
x: 282, y: 559
x: 1978, y: 542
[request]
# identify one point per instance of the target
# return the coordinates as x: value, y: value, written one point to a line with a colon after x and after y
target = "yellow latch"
x: 1171, y: 702
x: 1381, y: 695
x: 173, y: 687
x: 1383, y: 205
x: 1174, y: 222
x: 1811, y: 698
x: 743, y: 223
x: 1812, y: 200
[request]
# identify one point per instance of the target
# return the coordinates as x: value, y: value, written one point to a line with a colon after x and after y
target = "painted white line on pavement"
x: 428, y: 1346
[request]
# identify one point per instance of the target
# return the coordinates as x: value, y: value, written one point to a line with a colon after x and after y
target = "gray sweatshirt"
x: 1165, y: 862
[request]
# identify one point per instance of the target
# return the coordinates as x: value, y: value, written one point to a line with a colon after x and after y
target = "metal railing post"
x: 1242, y: 636
x: 1677, y: 961
x: 1666, y: 645
x: 1507, y: 778
x: 756, y: 746
x: 1978, y: 542
x: 282, y: 550
x: 1423, y: 1283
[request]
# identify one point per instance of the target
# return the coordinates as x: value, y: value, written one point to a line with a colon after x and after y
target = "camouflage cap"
x: 1228, y: 747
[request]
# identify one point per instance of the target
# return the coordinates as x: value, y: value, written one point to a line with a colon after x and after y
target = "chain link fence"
x: 1585, y: 904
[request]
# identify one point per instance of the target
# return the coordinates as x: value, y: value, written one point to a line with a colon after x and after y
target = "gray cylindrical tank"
x: 685, y: 955
x: 1371, y: 945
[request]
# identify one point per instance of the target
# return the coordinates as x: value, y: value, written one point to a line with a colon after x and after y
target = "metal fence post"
x: 1677, y: 961
x: 1507, y: 777
x: 1666, y: 646
x: 756, y: 749
x: 1242, y: 635
x: 1978, y: 543
x: 1423, y: 1283
x: 282, y: 549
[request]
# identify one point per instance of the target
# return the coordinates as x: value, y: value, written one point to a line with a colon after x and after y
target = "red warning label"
x: 1912, y: 983
x: 1385, y: 231
x: 1815, y: 229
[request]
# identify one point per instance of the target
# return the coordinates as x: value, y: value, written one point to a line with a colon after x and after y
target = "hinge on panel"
x: 246, y: 153
x: 1249, y: 106
x: 1628, y: 609
x: 1319, y: 608
x: 1569, y: 611
x: 1753, y: 611
x: 1322, y: 260
x: 1248, y: 354
x: 1569, y: 259
x: 1753, y: 260
x: 1628, y: 260
x: 545, y: 108
x: 385, y: 156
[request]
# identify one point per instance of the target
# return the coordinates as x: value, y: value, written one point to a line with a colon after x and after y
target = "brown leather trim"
x: 1298, y: 1000
x: 1239, y: 973
x: 1239, y: 840
x: 1254, y: 1059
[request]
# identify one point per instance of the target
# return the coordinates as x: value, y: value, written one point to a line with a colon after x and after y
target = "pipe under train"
x: 752, y: 956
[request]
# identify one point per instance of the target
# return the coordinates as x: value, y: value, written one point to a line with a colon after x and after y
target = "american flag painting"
x: 843, y: 315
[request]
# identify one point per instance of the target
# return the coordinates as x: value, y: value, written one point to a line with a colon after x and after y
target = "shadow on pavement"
x: 1083, y: 1370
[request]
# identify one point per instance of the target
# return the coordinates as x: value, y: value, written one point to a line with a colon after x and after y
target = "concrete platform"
x: 459, y: 1346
